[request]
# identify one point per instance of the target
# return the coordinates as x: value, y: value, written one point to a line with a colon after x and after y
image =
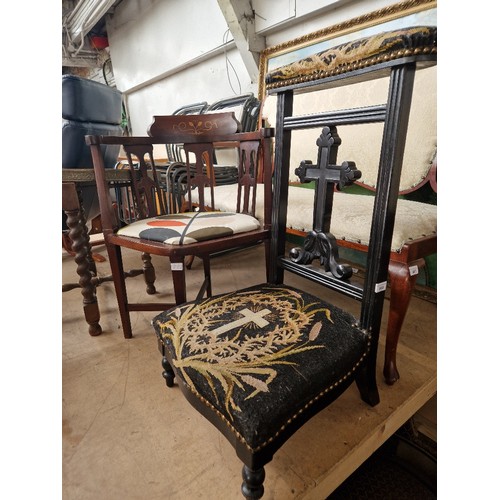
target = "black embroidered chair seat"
x: 257, y: 358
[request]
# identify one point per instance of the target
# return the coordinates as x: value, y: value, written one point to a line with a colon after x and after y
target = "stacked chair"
x: 246, y: 108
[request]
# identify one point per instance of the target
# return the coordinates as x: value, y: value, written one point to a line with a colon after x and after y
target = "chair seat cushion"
x: 190, y: 227
x: 351, y: 217
x: 260, y: 356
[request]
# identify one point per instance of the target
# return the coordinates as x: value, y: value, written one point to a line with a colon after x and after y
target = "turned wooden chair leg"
x: 67, y: 243
x: 168, y: 374
x: 149, y: 273
x: 85, y: 235
x: 402, y: 281
x: 253, y: 483
x: 81, y: 248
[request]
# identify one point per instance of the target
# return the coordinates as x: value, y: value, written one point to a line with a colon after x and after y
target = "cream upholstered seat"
x: 352, y: 216
x: 190, y: 227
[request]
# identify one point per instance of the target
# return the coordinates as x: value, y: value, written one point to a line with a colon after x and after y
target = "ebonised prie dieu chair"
x: 260, y: 362
x: 153, y: 231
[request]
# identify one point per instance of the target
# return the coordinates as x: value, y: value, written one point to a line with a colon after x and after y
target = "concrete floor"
x: 126, y: 436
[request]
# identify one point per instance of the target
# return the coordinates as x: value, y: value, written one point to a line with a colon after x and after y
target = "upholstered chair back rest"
x: 88, y: 108
x: 421, y: 146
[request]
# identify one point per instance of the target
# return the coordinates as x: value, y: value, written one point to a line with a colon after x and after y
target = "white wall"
x: 156, y: 47
x: 152, y: 36
x: 205, y: 81
x: 310, y: 16
x: 168, y: 53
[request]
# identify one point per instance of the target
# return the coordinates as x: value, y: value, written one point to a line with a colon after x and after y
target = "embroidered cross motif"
x: 248, y: 317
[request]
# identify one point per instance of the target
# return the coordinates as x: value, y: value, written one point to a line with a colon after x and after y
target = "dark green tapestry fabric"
x: 257, y: 357
x: 356, y: 54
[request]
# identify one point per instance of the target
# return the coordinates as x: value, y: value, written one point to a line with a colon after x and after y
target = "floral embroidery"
x: 234, y: 353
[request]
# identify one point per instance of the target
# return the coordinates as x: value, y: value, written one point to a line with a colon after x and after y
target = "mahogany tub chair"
x: 154, y: 232
x: 260, y: 362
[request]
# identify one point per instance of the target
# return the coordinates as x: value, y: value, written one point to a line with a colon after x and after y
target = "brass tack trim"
x: 293, y: 417
x: 318, y: 75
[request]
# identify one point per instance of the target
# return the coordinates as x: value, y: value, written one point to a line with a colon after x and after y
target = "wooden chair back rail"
x: 194, y: 126
x: 150, y: 201
x: 161, y: 139
x: 196, y: 177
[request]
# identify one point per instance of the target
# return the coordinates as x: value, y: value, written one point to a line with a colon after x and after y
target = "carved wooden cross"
x: 324, y: 174
x: 319, y: 243
x: 248, y: 317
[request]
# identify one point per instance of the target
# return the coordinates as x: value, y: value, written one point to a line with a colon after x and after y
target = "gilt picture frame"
x: 399, y: 15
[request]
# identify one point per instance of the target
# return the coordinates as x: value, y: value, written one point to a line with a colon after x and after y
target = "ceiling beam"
x: 240, y: 18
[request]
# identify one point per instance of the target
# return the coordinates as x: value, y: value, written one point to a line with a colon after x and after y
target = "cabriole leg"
x: 402, y: 285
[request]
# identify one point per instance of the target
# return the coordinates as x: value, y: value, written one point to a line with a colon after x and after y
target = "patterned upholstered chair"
x: 260, y: 362
x: 176, y: 236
